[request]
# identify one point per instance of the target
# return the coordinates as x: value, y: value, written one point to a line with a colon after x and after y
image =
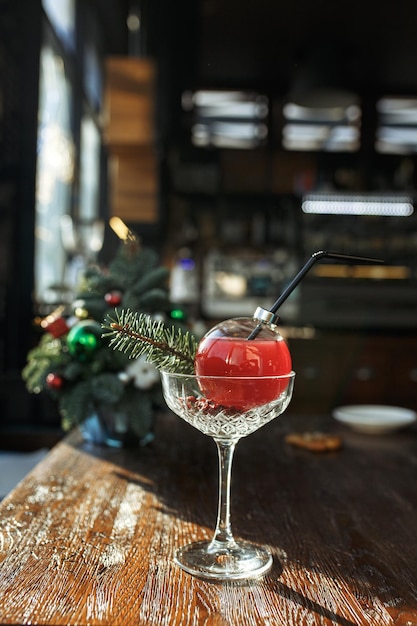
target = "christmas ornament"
x: 57, y: 328
x: 178, y: 313
x: 113, y: 298
x: 54, y: 381
x: 55, y: 324
x: 84, y: 339
x: 80, y: 309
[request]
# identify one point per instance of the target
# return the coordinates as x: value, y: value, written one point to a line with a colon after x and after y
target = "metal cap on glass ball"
x: 263, y: 315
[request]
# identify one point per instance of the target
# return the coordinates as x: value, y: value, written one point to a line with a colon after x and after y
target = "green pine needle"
x: 137, y: 334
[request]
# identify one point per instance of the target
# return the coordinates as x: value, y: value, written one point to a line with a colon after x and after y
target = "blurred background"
x: 235, y: 138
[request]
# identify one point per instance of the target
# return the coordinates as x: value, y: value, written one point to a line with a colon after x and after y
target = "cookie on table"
x: 314, y: 441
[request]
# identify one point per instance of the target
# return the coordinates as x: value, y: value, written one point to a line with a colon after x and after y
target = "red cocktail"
x: 227, y: 351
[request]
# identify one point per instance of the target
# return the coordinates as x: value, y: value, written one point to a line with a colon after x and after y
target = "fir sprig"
x: 137, y: 334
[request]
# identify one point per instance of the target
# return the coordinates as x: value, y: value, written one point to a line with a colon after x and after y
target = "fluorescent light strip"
x: 390, y: 206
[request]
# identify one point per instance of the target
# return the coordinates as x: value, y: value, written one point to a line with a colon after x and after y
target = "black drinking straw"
x: 316, y: 256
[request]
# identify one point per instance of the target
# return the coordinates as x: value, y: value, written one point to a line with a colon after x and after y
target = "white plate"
x: 373, y: 418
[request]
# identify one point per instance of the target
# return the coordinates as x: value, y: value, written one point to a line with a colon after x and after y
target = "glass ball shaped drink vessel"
x: 227, y: 407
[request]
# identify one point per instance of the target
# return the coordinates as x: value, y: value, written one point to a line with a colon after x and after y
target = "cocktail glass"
x: 224, y: 558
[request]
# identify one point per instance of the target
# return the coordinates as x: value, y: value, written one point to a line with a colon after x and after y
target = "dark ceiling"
x: 372, y: 44
x: 369, y: 45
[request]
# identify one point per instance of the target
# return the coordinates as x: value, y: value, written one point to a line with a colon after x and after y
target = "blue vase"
x: 109, y: 427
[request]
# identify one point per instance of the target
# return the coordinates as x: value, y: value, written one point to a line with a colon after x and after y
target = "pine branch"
x: 138, y: 334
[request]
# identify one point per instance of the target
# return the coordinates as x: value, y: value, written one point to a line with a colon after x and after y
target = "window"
x: 61, y: 14
x: 55, y: 172
x: 321, y: 128
x: 397, y: 127
x: 227, y: 119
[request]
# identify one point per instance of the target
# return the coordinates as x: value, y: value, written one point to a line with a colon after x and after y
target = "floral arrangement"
x: 94, y: 385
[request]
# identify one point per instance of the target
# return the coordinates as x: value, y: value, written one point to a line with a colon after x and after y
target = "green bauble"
x: 84, y: 339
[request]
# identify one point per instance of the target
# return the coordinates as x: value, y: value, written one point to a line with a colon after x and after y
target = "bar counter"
x: 88, y: 537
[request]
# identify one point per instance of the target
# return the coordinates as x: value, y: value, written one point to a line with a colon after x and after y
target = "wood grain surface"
x: 88, y: 536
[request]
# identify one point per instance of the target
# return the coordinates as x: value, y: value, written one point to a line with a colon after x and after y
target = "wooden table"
x: 88, y: 537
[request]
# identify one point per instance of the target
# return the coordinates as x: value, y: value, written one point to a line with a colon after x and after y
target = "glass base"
x: 209, y: 559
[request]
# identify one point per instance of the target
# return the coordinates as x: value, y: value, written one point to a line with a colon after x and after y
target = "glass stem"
x: 223, y: 533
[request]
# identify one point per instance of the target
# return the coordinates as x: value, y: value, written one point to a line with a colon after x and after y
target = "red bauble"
x: 113, y: 298
x: 54, y: 381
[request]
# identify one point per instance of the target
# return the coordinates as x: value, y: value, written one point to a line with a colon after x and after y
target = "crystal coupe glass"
x: 251, y: 403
